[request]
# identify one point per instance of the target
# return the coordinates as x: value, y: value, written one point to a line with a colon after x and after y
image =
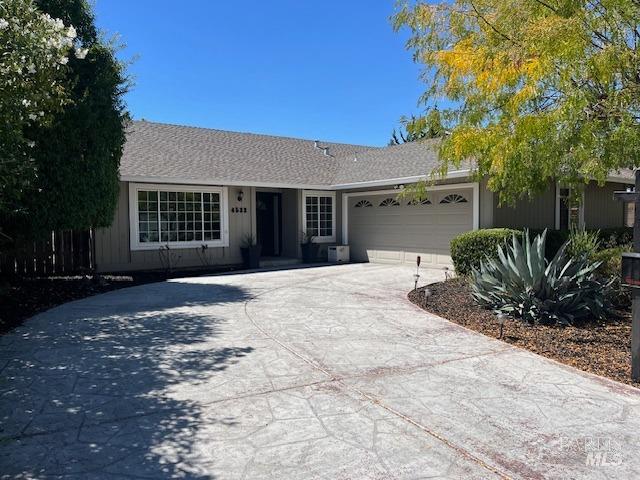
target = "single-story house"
x: 186, y: 187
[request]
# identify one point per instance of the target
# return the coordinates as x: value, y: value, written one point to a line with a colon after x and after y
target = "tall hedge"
x: 469, y: 249
x: 77, y: 156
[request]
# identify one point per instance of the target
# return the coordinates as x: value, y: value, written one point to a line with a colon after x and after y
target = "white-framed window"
x: 319, y: 215
x: 177, y: 215
x: 568, y: 215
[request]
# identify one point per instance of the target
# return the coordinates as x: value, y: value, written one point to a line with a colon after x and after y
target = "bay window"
x: 319, y: 215
x: 177, y: 216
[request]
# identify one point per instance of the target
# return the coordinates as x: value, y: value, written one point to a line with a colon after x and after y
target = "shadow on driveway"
x: 83, y: 387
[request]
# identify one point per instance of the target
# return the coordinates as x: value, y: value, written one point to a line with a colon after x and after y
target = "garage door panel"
x: 407, y: 241
x: 409, y: 233
x: 398, y: 234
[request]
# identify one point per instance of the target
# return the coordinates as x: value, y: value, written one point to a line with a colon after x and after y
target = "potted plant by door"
x: 309, y: 248
x: 251, y: 251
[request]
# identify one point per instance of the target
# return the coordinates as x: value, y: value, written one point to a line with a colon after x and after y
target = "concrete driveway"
x: 310, y: 373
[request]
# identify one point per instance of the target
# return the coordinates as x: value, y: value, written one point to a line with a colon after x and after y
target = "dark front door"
x: 269, y: 222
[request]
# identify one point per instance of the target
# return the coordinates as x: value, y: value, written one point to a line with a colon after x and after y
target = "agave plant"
x: 522, y: 284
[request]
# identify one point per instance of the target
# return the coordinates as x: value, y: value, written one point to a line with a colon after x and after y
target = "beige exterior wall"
x: 600, y: 209
x: 113, y: 253
x: 539, y: 212
x: 486, y: 206
x: 291, y: 222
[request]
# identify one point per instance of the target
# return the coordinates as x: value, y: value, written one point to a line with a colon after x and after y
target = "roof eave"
x: 218, y: 182
x: 399, y: 180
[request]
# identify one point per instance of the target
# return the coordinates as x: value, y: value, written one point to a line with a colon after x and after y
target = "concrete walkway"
x: 310, y: 373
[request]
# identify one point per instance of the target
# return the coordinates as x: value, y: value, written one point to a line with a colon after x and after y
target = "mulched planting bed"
x: 22, y: 298
x: 598, y: 347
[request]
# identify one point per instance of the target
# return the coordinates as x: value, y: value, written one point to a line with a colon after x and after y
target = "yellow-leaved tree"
x: 537, y: 90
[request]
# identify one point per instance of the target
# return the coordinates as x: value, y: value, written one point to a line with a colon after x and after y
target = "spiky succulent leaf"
x: 520, y: 283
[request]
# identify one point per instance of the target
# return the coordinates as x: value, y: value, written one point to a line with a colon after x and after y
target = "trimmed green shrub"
x: 522, y: 284
x: 470, y: 248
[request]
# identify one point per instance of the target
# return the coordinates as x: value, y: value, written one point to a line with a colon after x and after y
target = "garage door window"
x: 389, y: 202
x: 415, y: 202
x: 319, y: 215
x: 454, y: 198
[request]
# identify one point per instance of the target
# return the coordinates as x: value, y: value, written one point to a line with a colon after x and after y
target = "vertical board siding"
x: 538, y: 212
x: 113, y: 251
x: 600, y: 208
x: 290, y: 222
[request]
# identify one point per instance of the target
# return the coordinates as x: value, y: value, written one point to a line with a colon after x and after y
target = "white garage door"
x: 383, y: 228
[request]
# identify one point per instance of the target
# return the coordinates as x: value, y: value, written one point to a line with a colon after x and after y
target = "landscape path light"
x: 501, y: 319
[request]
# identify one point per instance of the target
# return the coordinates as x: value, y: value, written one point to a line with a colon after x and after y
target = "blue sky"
x: 332, y: 70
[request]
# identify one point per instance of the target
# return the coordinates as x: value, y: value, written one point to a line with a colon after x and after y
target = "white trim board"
x: 400, y: 180
x: 249, y: 183
x: 475, y: 186
x: 134, y: 240
x: 216, y: 182
x: 338, y: 186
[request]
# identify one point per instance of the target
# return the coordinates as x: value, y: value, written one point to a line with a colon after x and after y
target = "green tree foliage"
x: 418, y: 128
x: 34, y: 52
x: 79, y: 153
x: 541, y: 89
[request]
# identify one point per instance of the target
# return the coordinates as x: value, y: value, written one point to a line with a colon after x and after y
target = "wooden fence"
x: 61, y: 253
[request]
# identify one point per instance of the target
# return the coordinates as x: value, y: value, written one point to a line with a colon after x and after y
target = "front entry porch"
x: 277, y: 226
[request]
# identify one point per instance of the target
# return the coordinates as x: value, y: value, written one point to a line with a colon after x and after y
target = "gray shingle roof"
x: 163, y: 151
x: 173, y: 153
x: 396, y: 161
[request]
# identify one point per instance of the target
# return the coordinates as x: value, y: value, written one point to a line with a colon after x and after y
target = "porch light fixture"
x: 240, y: 195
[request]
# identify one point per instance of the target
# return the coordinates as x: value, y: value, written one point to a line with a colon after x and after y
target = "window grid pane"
x: 326, y: 216
x: 319, y: 216
x: 178, y: 216
x: 147, y: 216
x: 312, y: 215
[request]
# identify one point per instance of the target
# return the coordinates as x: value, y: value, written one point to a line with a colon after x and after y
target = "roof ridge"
x: 254, y: 134
x: 422, y: 141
